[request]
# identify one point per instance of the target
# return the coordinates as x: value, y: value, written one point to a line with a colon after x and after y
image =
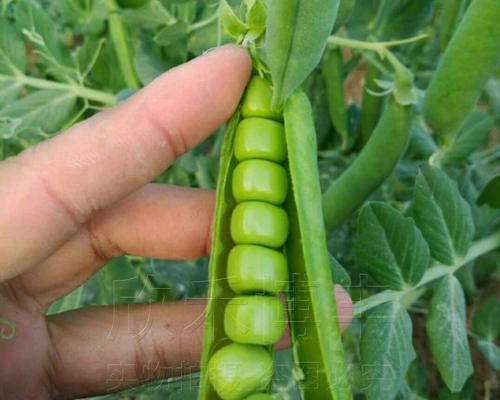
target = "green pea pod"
x: 334, y: 81
x: 296, y: 35
x: 315, y: 333
x: 219, y: 292
x: 451, y: 11
x: 470, y: 58
x: 372, y: 166
x: 371, y: 105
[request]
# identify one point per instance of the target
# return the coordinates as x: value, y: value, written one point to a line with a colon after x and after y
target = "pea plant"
x: 365, y: 152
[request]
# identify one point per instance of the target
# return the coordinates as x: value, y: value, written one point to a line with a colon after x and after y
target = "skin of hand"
x: 72, y: 203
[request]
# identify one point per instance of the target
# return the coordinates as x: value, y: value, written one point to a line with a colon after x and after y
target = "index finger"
x: 50, y: 190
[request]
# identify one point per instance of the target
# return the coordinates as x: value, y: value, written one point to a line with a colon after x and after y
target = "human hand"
x: 72, y: 203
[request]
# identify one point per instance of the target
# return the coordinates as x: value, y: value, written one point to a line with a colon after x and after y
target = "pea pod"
x: 317, y: 347
x: 470, y: 58
x: 370, y: 106
x: 334, y: 81
x: 451, y: 11
x: 372, y: 166
x: 255, y: 236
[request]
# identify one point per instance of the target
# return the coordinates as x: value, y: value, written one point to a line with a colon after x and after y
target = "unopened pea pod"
x: 470, y: 58
x: 451, y: 11
x: 372, y: 166
x: 370, y: 105
x: 333, y: 75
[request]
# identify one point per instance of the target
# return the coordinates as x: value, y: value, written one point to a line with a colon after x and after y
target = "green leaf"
x: 405, y: 19
x: 490, y: 351
x: 69, y: 302
x: 44, y: 109
x: 86, y: 18
x: 148, y: 61
x: 493, y: 93
x: 171, y: 33
x: 296, y: 36
x: 421, y: 145
x: 41, y: 30
x: 486, y: 322
x: 9, y: 91
x: 473, y: 135
x: 447, y: 333
x: 386, y: 350
x: 365, y: 12
x: 152, y: 15
x: 466, y: 393
x: 12, y: 51
x: 390, y: 247
x: 490, y: 194
x: 339, y: 274
x: 465, y: 276
x: 233, y: 26
x: 256, y: 19
x: 442, y: 215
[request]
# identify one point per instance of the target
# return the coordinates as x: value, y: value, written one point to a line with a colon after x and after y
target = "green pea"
x: 238, y: 370
x: 256, y: 222
x: 260, y: 138
x: 257, y: 101
x: 255, y: 319
x: 260, y: 180
x: 253, y: 269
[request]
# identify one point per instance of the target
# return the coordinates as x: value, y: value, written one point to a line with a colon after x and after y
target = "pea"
x: 260, y: 180
x: 257, y: 101
x: 255, y: 319
x: 238, y: 370
x: 261, y: 396
x: 256, y: 222
x: 256, y: 269
x: 260, y: 138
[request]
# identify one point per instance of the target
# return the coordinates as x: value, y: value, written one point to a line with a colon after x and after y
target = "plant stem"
x: 409, y: 296
x: 122, y: 48
x: 80, y: 91
x: 373, y: 46
x: 203, y: 23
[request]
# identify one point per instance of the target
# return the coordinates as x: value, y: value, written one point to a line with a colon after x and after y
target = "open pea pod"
x: 317, y: 348
x: 315, y: 333
x: 219, y: 292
